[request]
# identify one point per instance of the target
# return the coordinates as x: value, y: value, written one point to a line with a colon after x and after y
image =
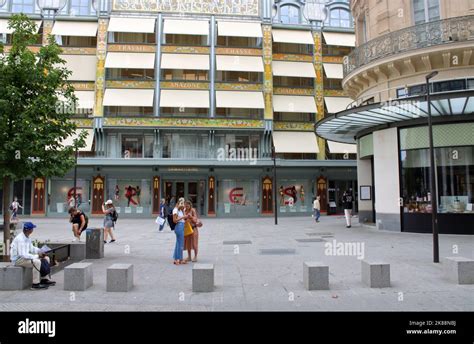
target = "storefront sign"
x: 223, y: 7
x: 179, y: 169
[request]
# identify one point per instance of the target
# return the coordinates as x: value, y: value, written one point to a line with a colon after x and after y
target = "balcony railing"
x: 459, y: 29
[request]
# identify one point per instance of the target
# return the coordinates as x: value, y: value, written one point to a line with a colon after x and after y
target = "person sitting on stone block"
x: 24, y: 254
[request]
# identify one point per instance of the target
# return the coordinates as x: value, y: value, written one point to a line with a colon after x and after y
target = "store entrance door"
x: 336, y: 191
x: 193, y: 191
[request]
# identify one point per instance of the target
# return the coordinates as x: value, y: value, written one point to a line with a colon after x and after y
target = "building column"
x: 319, y: 87
x: 387, y: 179
x: 100, y: 71
x: 212, y: 69
x: 159, y: 38
x: 364, y: 178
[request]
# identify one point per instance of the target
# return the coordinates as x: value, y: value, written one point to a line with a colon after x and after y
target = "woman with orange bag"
x: 191, y: 240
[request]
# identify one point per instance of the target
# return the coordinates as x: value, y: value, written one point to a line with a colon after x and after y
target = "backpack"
x: 171, y: 222
x: 114, y: 216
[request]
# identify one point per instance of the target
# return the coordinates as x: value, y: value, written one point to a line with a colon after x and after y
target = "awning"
x: 333, y: 70
x: 340, y: 39
x: 295, y: 142
x: 74, y: 28
x: 239, y: 63
x: 185, y: 61
x: 239, y: 29
x: 240, y: 100
x: 184, y: 98
x: 139, y: 25
x: 295, y: 69
x: 4, y: 26
x: 130, y: 60
x: 292, y: 36
x: 186, y: 27
x: 337, y: 104
x: 69, y: 141
x: 85, y: 99
x: 83, y: 67
x: 305, y: 104
x: 128, y: 97
x: 341, y: 148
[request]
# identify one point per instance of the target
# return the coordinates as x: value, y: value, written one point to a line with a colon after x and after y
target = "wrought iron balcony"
x: 446, y: 31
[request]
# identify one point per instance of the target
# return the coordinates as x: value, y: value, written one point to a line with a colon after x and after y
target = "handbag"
x: 159, y: 220
x: 188, y: 229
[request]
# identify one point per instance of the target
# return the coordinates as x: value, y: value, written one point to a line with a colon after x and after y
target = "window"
x: 290, y: 48
x: 184, y: 74
x: 240, y: 143
x: 130, y: 74
x: 340, y: 18
x: 284, y: 81
x: 251, y: 77
x: 185, y: 40
x: 294, y: 117
x: 132, y: 146
x: 244, y: 42
x: 132, y: 37
x: 289, y: 14
x: 128, y: 111
x: 23, y: 6
x: 332, y: 84
x: 333, y: 50
x: 425, y: 11
x: 185, y: 146
x: 76, y: 41
x: 81, y: 8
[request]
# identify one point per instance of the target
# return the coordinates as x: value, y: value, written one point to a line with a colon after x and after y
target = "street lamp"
x: 274, y: 182
x: 50, y: 7
x: 434, y: 194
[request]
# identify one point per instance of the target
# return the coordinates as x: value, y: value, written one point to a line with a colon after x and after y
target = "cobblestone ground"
x: 265, y: 274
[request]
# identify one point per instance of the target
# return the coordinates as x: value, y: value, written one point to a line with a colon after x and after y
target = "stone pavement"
x: 266, y: 274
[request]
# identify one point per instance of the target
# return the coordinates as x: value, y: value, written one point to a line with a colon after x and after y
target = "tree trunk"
x: 6, y: 218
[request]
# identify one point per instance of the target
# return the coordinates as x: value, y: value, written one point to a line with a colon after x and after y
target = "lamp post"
x: 274, y: 182
x: 434, y: 193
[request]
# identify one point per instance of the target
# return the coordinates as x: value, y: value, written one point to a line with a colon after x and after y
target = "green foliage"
x: 31, y: 88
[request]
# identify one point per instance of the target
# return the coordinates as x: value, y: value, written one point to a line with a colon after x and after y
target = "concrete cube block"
x: 375, y: 274
x: 15, y: 277
x: 315, y: 276
x: 94, y: 243
x: 77, y: 251
x: 120, y: 277
x: 203, y: 277
x: 78, y: 276
x: 459, y: 270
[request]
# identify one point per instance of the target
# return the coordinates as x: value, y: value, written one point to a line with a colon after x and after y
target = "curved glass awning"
x: 345, y: 125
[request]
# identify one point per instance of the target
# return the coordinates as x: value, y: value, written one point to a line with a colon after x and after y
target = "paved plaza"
x: 258, y: 266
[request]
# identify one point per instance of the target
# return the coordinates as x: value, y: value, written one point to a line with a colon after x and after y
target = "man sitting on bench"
x: 24, y: 254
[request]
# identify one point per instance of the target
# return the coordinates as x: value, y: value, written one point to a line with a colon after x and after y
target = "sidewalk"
x: 248, y: 279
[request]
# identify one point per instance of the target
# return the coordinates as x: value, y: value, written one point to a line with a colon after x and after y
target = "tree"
x: 33, y: 126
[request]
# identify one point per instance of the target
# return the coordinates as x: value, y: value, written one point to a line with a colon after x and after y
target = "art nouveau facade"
x: 398, y: 44
x: 184, y: 98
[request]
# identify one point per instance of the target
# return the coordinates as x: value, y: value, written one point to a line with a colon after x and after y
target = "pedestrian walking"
x: 109, y: 220
x: 317, y: 208
x: 14, y: 207
x: 179, y: 219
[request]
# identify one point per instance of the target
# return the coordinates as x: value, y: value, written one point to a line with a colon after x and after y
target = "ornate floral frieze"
x: 293, y: 91
x: 184, y: 85
x: 333, y: 59
x: 238, y: 87
x: 183, y: 122
x: 292, y: 57
x: 268, y: 73
x: 239, y: 51
x: 100, y: 72
x: 82, y: 122
x: 220, y: 7
x: 78, y: 51
x: 131, y: 48
x: 33, y: 48
x: 296, y: 126
x: 129, y: 84
x: 335, y: 93
x: 83, y: 86
x: 185, y: 50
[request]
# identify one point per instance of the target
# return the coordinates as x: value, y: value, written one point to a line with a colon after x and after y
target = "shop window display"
x: 455, y: 175
x: 294, y: 196
x: 238, y: 197
x: 130, y: 196
x: 61, y: 195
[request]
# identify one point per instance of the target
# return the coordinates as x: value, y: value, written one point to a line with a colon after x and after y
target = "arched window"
x: 340, y: 18
x: 289, y: 14
x: 425, y: 11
